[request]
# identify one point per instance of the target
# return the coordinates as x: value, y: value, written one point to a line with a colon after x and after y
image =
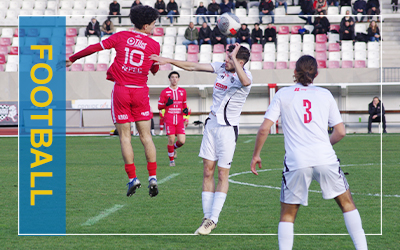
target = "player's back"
x: 131, y: 64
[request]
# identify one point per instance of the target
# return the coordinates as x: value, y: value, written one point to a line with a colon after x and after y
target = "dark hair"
x: 173, y: 72
x: 306, y: 70
x: 243, y: 53
x: 143, y: 14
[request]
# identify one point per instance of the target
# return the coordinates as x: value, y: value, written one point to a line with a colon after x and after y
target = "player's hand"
x: 169, y: 102
x: 233, y: 54
x: 158, y: 60
x: 255, y: 161
x: 185, y: 111
x: 68, y: 63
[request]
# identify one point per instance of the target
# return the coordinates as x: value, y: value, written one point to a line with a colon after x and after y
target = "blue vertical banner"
x: 42, y: 167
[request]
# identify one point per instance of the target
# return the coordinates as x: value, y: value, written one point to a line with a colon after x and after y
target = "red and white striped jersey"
x: 173, y: 113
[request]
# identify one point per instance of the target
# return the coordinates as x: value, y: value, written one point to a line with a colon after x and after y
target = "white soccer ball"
x: 228, y: 24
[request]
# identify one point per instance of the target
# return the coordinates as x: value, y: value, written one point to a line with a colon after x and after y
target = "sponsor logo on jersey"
x: 296, y: 89
x: 122, y: 117
x: 220, y: 86
x: 146, y: 113
x: 136, y: 43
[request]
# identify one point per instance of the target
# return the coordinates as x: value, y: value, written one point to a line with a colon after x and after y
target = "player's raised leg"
x: 170, y: 147
x: 181, y: 138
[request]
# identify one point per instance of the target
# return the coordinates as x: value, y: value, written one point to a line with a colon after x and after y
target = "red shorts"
x: 130, y: 104
x: 178, y: 129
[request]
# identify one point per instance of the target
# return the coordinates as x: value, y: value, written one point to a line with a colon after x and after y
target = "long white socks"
x: 212, y: 204
x: 207, y: 201
x: 285, y: 235
x: 354, y: 227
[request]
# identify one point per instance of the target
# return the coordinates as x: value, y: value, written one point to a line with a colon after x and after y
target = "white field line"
x: 168, y: 178
x: 248, y: 141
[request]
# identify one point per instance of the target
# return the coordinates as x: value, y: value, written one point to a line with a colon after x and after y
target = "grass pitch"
x: 97, y: 202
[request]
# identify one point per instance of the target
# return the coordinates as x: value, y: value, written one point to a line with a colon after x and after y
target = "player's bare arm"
x: 339, y: 132
x: 238, y: 67
x: 189, y: 66
x: 68, y: 63
x: 262, y: 136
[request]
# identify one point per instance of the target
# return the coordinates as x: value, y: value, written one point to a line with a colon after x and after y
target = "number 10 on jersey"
x: 308, y: 116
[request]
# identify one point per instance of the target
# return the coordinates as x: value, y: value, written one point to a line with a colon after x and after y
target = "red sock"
x: 171, y: 152
x: 177, y: 145
x: 152, y: 168
x: 130, y: 170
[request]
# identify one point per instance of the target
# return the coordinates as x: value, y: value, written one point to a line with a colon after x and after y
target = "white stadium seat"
x: 295, y: 38
x: 91, y: 58
x: 66, y: 5
x: 373, y: 46
x: 373, y: 54
x: 15, y: 5
x: 282, y: 47
x: 27, y: 5
x: 179, y: 40
x: 11, y: 67
x: 25, y: 12
x: 103, y: 58
x: 158, y: 39
x: 181, y: 31
x: 269, y: 57
x: 269, y: 47
x: 12, y: 59
x: 91, y: 5
x: 170, y: 31
x: 93, y: 40
x: 334, y: 56
x: 282, y: 38
x: 7, y: 32
x: 308, y: 47
x: 37, y: 12
x: 180, y: 49
x: 180, y: 56
x: 295, y: 47
x: 51, y: 5
x: 282, y: 57
x: 294, y: 56
x: 218, y: 57
x: 82, y: 41
x: 360, y: 28
x: 360, y: 55
x: 360, y: 46
x: 347, y: 55
x: 169, y: 48
x: 308, y: 38
x: 373, y: 63
x: 255, y: 65
x: 79, y: 5
x: 205, y: 58
x: 169, y: 40
x: 205, y: 49
x: 347, y: 46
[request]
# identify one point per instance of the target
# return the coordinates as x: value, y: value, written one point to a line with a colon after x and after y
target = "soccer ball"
x: 228, y: 24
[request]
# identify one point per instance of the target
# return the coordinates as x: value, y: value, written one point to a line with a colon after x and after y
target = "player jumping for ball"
x: 230, y: 91
x: 130, y: 96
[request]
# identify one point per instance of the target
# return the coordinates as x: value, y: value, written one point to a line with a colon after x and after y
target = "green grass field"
x: 96, y: 182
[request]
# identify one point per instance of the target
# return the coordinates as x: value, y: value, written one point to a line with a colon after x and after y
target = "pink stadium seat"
x: 359, y: 64
x: 33, y: 32
x: 334, y: 47
x: 335, y: 27
x: 3, y: 50
x: 20, y: 32
x: 321, y: 56
x: 2, y: 59
x: 101, y: 67
x: 256, y: 57
x: 69, y: 41
x: 88, y: 67
x: 292, y: 65
x: 256, y: 48
x: 320, y: 47
x: 268, y: 65
x: 43, y: 41
x: 193, y: 49
x: 283, y: 30
x: 347, y: 64
x: 333, y: 64
x: 69, y: 50
x: 76, y: 67
x: 14, y: 50
x: 5, y: 41
x: 295, y: 29
x: 320, y: 38
x: 26, y: 50
x: 218, y: 48
x: 71, y: 32
x: 198, y: 29
x: 166, y: 67
x: 192, y: 58
x: 1, y: 67
x: 321, y: 64
x: 281, y: 65
x: 158, y: 31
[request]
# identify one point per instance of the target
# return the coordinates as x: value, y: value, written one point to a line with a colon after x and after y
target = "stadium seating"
x: 2, y: 59
x: 295, y: 29
x: 13, y: 50
x: 3, y: 50
x: 359, y: 64
x: 193, y: 49
x: 268, y: 65
x: 321, y: 38
x: 256, y: 65
x: 333, y: 64
x: 256, y: 57
x: 283, y: 30
x: 347, y: 64
x: 334, y: 47
x: 192, y: 58
x: 320, y: 47
x: 218, y: 48
x: 281, y: 65
x: 88, y: 67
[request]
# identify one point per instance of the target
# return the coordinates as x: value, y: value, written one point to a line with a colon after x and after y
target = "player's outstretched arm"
x: 262, y: 135
x: 339, y: 132
x: 189, y: 66
x: 239, y: 68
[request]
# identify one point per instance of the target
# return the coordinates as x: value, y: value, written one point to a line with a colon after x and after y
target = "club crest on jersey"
x: 232, y: 79
x: 220, y: 86
x: 136, y: 43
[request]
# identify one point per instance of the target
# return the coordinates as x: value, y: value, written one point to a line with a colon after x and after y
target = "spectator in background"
x: 270, y: 34
x: 344, y: 3
x: 172, y: 10
x: 280, y: 3
x: 191, y: 35
x: 333, y: 3
x: 359, y: 7
x: 160, y: 7
x: 213, y: 9
x: 321, y: 24
x: 348, y: 18
x: 266, y: 7
x: 218, y: 37
x: 374, y: 109
x: 115, y: 10
x: 307, y: 8
x: 136, y: 2
x: 373, y: 8
x: 93, y: 28
x: 257, y: 34
x: 243, y: 34
x: 242, y: 3
x: 226, y: 6
x: 320, y: 6
x: 201, y: 10
x: 394, y: 4
x: 231, y: 39
x: 205, y: 34
x: 347, y: 32
x: 107, y: 28
x: 373, y: 32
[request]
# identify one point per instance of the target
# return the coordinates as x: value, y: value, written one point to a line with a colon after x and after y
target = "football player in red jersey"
x: 130, y: 96
x: 173, y: 100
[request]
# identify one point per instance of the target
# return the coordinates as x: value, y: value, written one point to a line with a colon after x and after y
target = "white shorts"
x: 218, y: 142
x: 295, y: 183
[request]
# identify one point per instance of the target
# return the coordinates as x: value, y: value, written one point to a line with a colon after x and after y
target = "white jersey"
x: 305, y: 113
x: 229, y: 95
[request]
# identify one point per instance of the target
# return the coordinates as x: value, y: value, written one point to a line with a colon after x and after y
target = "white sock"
x: 285, y: 235
x: 207, y: 201
x: 131, y: 179
x: 219, y: 200
x: 354, y: 227
x: 153, y: 176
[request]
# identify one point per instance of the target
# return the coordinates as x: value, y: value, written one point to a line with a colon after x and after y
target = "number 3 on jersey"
x: 130, y: 56
x: 308, y: 116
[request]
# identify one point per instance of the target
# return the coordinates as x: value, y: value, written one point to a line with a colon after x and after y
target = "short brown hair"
x: 243, y: 53
x: 306, y: 70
